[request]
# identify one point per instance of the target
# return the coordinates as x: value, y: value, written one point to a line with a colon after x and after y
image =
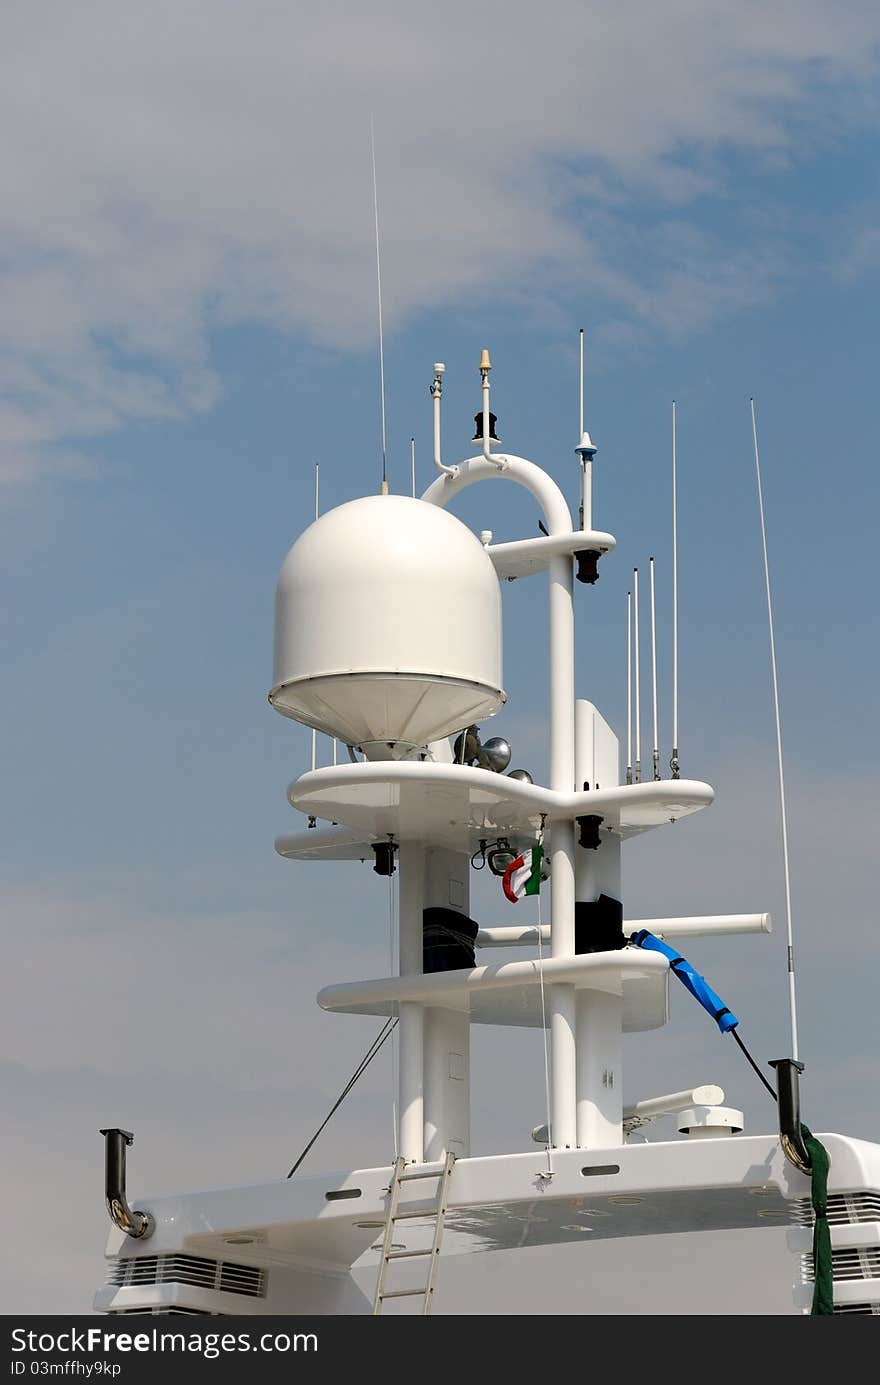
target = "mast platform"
x: 457, y: 806
x: 509, y: 993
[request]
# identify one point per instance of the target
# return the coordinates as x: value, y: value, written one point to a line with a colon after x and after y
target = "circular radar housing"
x: 387, y: 627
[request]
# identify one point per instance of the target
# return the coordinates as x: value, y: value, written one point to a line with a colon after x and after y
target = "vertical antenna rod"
x: 656, y: 746
x: 792, y: 999
x: 384, y: 488
x: 638, y: 765
x: 317, y: 512
x: 673, y: 763
x: 412, y: 454
x: 629, y: 690
x: 586, y: 452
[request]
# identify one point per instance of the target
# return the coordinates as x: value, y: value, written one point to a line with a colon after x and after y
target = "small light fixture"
x: 522, y: 776
x: 500, y: 856
x: 383, y: 853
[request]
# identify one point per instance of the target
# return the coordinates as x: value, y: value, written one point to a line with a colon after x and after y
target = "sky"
x: 189, y: 326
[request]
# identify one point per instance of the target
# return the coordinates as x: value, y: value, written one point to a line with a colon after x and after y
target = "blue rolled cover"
x: 691, y: 979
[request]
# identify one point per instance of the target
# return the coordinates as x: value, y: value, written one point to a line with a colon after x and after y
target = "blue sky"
x: 190, y: 327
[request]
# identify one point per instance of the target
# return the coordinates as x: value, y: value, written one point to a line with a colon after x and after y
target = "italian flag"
x: 523, y: 876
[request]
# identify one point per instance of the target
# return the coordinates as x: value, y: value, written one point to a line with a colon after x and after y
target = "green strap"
x: 823, y: 1270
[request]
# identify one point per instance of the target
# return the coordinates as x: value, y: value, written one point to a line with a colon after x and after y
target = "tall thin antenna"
x: 792, y: 998
x: 638, y: 765
x: 412, y: 453
x: 656, y: 746
x: 673, y: 763
x: 629, y: 690
x: 581, y: 388
x: 379, y: 296
x: 317, y: 512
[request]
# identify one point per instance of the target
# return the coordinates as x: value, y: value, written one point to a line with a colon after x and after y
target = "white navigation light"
x: 387, y: 626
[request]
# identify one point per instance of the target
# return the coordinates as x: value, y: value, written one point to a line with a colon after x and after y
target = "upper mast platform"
x: 457, y: 806
x: 526, y: 557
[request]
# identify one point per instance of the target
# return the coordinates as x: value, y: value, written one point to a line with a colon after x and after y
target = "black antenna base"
x: 788, y: 1071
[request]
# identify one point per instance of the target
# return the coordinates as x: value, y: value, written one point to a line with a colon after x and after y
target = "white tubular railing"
x: 699, y: 925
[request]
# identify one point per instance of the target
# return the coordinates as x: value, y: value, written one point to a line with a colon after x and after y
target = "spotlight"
x: 522, y: 776
x: 495, y: 754
x: 500, y: 856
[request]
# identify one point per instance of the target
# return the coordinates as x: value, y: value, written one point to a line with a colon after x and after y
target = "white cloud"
x: 174, y: 168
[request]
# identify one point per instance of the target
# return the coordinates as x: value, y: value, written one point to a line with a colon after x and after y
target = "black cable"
x: 361, y: 1068
x: 735, y: 1033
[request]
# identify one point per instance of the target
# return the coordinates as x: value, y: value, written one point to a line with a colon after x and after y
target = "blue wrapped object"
x: 691, y: 979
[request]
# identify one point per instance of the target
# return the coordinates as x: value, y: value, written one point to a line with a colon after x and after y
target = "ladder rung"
x: 427, y: 1173
x: 408, y: 1216
x: 405, y: 1293
x: 406, y: 1254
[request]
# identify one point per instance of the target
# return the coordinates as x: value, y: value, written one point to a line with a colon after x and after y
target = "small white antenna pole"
x: 638, y: 765
x: 384, y: 487
x: 317, y: 512
x: 412, y: 453
x: 629, y: 690
x: 792, y: 998
x: 674, y: 765
x: 656, y: 746
x: 581, y: 388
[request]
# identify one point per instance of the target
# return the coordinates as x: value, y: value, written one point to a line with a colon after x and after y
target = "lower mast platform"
x: 509, y: 993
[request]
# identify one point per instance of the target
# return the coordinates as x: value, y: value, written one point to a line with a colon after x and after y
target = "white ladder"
x: 398, y: 1177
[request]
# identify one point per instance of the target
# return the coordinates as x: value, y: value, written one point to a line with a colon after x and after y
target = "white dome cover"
x: 387, y: 626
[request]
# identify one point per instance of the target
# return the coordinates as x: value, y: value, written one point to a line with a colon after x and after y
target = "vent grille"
x: 859, y: 1308
x: 222, y: 1275
x: 851, y: 1263
x: 843, y: 1209
x: 162, y: 1313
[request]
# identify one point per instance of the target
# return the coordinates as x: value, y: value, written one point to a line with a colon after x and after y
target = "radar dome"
x: 387, y: 626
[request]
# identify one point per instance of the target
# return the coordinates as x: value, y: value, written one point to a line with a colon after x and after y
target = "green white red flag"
x: 523, y: 876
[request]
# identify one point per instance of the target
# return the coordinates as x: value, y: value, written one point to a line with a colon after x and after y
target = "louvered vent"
x: 162, y: 1313
x: 858, y: 1308
x: 843, y: 1209
x: 223, y: 1275
x: 851, y: 1263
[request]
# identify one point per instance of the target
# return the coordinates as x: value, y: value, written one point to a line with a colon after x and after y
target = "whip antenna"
x: 656, y: 746
x: 673, y: 763
x: 412, y: 454
x: 384, y: 487
x: 638, y: 766
x: 317, y: 512
x: 792, y: 1000
x: 629, y: 689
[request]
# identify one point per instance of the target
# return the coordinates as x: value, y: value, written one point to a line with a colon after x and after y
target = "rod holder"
x: 138, y: 1225
x: 788, y: 1071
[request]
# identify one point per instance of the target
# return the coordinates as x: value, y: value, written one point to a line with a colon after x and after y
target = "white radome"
x: 387, y: 626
